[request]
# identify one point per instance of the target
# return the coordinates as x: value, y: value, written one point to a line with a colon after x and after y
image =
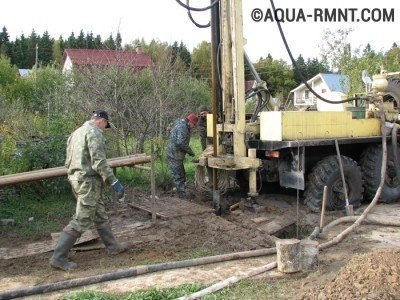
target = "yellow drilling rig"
x: 334, y: 145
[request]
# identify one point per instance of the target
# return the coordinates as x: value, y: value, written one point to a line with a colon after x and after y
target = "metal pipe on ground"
x: 349, y: 207
x: 139, y: 270
x: 62, y: 171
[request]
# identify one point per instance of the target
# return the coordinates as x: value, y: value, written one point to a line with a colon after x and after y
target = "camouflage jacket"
x: 178, y: 143
x: 86, y: 155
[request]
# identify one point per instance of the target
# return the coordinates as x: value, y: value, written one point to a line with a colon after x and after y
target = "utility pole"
x: 36, y: 60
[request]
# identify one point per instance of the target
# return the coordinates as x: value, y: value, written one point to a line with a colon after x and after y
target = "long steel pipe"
x: 131, y: 272
x: 62, y: 171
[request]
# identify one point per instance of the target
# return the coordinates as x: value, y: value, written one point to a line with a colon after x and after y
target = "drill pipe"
x: 135, y: 271
x: 129, y: 160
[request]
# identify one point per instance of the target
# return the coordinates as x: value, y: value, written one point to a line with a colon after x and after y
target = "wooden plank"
x: 147, y: 210
x: 47, y: 246
x: 234, y: 206
x: 261, y: 219
x: 100, y: 245
x: 85, y: 237
x: 170, y: 207
x: 276, y: 225
x: 31, y: 249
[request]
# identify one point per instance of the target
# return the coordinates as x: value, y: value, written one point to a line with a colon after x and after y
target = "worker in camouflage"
x: 87, y: 171
x: 178, y: 147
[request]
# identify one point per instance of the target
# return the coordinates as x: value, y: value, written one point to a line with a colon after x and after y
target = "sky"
x: 167, y: 21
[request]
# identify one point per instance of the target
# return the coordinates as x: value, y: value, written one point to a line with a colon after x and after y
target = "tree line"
x: 25, y: 52
x: 22, y: 51
x: 337, y: 55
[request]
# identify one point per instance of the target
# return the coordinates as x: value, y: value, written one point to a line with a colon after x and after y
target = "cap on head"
x: 192, y: 118
x: 203, y: 108
x: 102, y: 114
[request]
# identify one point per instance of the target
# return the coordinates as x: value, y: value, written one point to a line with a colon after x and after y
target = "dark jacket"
x: 178, y: 143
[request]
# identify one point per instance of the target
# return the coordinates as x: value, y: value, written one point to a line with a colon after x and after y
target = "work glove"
x: 117, y: 186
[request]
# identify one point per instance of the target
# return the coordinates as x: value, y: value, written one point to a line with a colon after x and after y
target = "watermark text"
x: 350, y: 15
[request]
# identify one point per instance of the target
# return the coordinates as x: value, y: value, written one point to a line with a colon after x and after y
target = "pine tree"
x: 81, y: 41
x: 45, y: 49
x: 4, y: 42
x: 71, y: 42
x: 110, y: 43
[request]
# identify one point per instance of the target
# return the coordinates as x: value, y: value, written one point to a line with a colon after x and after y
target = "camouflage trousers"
x: 203, y: 137
x: 178, y: 173
x: 90, y: 207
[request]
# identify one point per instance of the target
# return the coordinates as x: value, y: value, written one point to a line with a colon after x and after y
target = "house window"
x: 306, y: 94
x: 323, y: 90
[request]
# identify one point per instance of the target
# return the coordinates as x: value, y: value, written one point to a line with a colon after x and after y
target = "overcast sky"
x: 167, y: 21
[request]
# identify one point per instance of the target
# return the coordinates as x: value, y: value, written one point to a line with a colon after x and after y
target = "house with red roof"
x: 90, y: 58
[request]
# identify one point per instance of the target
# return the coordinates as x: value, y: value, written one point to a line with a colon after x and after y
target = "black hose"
x: 298, y: 71
x: 395, y: 150
x: 193, y: 21
x: 197, y: 9
x: 251, y: 67
x: 261, y: 103
x: 66, y: 284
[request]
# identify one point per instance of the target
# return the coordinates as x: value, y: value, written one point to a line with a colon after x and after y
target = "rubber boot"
x: 59, y: 259
x: 186, y: 194
x: 180, y: 190
x: 181, y: 194
x: 112, y: 246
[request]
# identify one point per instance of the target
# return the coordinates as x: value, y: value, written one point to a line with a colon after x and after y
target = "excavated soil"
x: 366, y: 265
x: 374, y: 275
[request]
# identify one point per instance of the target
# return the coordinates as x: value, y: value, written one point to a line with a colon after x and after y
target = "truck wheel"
x: 371, y: 163
x: 327, y: 172
x: 393, y: 92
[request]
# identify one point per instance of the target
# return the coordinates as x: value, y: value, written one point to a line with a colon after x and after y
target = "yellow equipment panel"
x: 301, y: 125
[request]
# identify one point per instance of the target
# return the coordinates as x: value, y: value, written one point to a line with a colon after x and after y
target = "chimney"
x: 138, y: 48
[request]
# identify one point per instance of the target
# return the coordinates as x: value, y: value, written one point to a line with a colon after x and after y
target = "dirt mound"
x: 374, y: 275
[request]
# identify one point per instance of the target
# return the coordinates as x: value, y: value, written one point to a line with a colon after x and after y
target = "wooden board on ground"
x: 47, y: 246
x: 100, y: 245
x: 277, y: 224
x: 85, y: 237
x: 261, y: 219
x: 170, y: 207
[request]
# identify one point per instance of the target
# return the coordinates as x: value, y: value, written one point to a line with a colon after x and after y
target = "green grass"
x: 136, y: 177
x: 46, y: 213
x: 151, y: 294
x: 253, y: 289
x: 249, y: 289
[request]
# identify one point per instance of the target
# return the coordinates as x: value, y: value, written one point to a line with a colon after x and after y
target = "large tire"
x: 327, y: 173
x: 392, y: 93
x: 371, y: 164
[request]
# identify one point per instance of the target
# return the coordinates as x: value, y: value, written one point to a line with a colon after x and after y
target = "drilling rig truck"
x: 307, y: 150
